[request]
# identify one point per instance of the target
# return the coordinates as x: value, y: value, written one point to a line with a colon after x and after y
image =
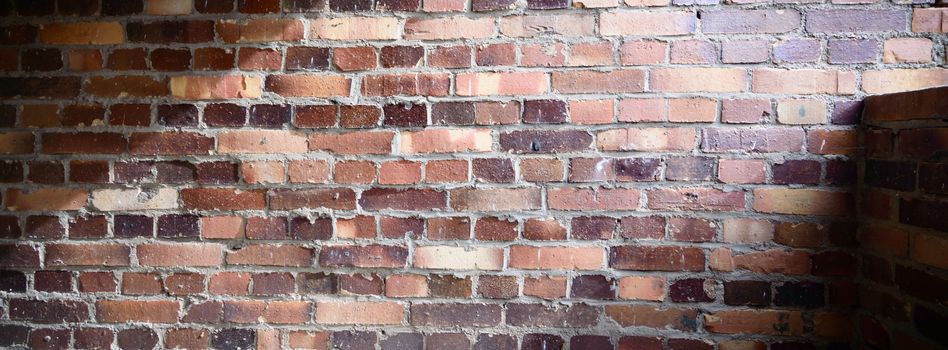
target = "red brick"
x: 121, y: 311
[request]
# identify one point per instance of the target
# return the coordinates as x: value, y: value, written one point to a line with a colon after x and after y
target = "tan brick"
x: 531, y: 26
x: 799, y: 112
x: 449, y: 28
x: 510, y: 83
x: 802, y: 201
x: 698, y: 80
x: 647, y: 139
x: 802, y: 81
x: 134, y: 199
x: 741, y: 230
x: 651, y: 23
x: 261, y: 142
x: 907, y: 50
x: 642, y: 288
x: 445, y: 141
x: 180, y: 254
x: 359, y: 313
x: 216, y: 87
x: 899, y: 80
x: 557, y: 258
x: 299, y: 85
x: 355, y: 28
x: 458, y: 258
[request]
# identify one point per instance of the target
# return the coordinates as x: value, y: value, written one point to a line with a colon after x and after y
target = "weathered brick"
x: 855, y: 21
x: 647, y: 23
x: 355, y: 28
x: 83, y: 33
x: 564, y: 25
x: 749, y: 21
x: 216, y: 87
x: 308, y: 85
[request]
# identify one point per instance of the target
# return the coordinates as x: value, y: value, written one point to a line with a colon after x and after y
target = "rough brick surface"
x: 472, y: 174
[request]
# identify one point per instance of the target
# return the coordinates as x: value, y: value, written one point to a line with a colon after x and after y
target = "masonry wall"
x: 904, y: 238
x: 486, y: 174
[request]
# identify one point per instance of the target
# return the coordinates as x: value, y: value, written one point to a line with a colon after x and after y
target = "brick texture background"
x: 470, y: 174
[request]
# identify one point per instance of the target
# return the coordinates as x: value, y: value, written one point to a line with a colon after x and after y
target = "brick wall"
x: 485, y: 174
x: 904, y: 240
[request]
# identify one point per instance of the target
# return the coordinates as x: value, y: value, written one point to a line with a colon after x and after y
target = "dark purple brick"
x: 544, y: 111
x: 593, y: 227
x: 797, y: 51
x: 403, y: 341
x: 692, y: 290
x: 48, y: 311
x: 11, y: 335
x: 10, y: 227
x: 361, y: 284
x: 177, y: 115
x: 637, y: 169
x: 78, y: 7
x: 690, y: 168
x: 493, y: 5
x: 800, y: 294
x: 315, y: 229
x: 846, y: 112
x: 590, y: 342
x: 896, y: 175
x: 593, y: 287
x: 452, y: 113
x: 350, y: 5
x: 538, y: 341
x: 12, y: 281
x: 307, y: 58
x: 397, y: 5
x: 175, y: 172
x: 45, y: 338
x: 405, y: 114
x: 93, y: 338
x: 234, y: 339
x: 456, y: 341
x: 689, y: 344
x: 41, y: 59
x: 44, y: 227
x: 747, y: 293
x: 547, y: 4
x: 273, y: 283
x: 317, y: 283
x: 35, y: 7
x: 121, y: 7
x: 178, y: 226
x: 845, y: 51
x: 52, y: 281
x: 841, y: 172
x: 494, y: 170
x: 401, y: 56
x: 797, y: 172
x: 11, y: 171
x: 43, y: 172
x: 225, y: 114
x: 545, y: 141
x: 924, y: 213
x: 487, y: 341
x: 933, y: 177
x: 354, y: 340
x: 855, y: 21
x: 270, y: 116
x: 127, y: 226
x: 217, y: 173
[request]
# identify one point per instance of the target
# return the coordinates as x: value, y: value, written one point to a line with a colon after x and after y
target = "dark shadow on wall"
x: 903, y: 236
